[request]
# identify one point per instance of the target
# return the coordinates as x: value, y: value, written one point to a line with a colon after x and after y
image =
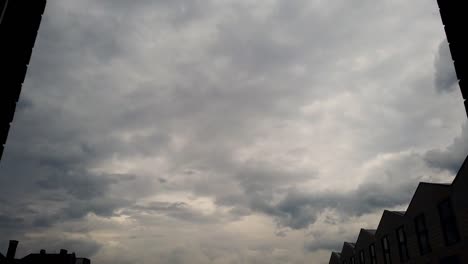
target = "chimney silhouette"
x: 12, y: 249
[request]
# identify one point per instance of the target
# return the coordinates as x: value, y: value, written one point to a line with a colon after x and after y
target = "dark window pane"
x: 373, y: 257
x: 402, y: 245
x: 386, y: 250
x: 401, y: 235
x: 422, y: 234
x: 448, y: 223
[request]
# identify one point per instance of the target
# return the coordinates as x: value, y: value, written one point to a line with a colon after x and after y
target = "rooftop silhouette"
x: 41, y: 258
x: 432, y: 228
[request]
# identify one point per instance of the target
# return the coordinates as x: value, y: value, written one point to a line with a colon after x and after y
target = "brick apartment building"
x: 433, y: 229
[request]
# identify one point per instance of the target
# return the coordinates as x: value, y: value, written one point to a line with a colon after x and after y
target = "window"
x: 386, y: 250
x: 422, y: 234
x: 352, y: 260
x: 448, y: 223
x: 362, y: 259
x: 344, y: 261
x: 402, y: 244
x: 450, y: 260
x: 373, y: 257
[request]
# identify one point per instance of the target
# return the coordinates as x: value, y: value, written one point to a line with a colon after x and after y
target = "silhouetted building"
x: 365, y: 243
x: 453, y: 14
x: 348, y: 253
x: 386, y: 242
x: 433, y: 229
x: 335, y: 258
x: 41, y: 258
x: 19, y: 23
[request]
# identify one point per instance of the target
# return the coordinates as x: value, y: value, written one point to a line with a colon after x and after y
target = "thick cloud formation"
x: 226, y: 131
x: 452, y: 156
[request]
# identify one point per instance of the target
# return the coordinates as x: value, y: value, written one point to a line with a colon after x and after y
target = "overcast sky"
x: 226, y: 131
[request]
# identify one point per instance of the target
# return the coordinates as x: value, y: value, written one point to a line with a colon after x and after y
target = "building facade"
x: 433, y: 229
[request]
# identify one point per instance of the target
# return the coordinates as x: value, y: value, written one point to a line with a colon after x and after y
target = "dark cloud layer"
x: 452, y: 156
x: 223, y: 131
x: 392, y: 184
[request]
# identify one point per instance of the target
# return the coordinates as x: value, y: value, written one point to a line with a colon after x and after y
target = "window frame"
x: 449, y: 224
x: 362, y: 257
x: 372, y: 254
x: 402, y: 245
x: 422, y: 234
x: 387, y: 256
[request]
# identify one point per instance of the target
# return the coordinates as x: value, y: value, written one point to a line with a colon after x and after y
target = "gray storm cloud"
x: 225, y: 131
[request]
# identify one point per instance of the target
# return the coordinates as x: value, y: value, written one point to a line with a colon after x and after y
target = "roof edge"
x: 445, y: 185
x: 370, y: 231
x: 462, y: 168
x: 350, y: 243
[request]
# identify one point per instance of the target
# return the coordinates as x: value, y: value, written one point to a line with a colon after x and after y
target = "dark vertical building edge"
x: 454, y: 19
x: 19, y: 24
